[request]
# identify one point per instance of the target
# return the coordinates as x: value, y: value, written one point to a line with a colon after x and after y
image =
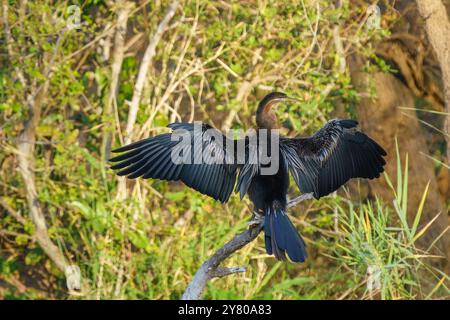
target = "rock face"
x: 385, y: 118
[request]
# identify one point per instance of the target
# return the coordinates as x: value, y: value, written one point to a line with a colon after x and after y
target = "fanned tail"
x: 281, y: 236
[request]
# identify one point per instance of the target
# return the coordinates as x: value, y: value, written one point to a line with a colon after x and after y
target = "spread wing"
x: 152, y: 158
x: 336, y: 153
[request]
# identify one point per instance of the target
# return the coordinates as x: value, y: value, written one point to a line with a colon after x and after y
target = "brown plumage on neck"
x: 265, y: 118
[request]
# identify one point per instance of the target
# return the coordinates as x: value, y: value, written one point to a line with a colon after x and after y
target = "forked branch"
x: 210, y: 268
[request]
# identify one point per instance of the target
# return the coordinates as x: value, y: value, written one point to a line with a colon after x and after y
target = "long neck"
x: 265, y: 118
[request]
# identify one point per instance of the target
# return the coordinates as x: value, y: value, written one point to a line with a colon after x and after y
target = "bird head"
x: 265, y: 118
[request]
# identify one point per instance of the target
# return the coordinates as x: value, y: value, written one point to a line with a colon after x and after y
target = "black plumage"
x: 335, y: 154
x: 319, y: 164
x: 151, y: 158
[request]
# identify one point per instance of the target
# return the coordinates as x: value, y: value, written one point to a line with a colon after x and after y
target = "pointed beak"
x: 273, y: 102
x: 293, y: 99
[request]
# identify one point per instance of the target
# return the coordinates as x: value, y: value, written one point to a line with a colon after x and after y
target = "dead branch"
x: 26, y: 165
x: 12, y: 212
x: 106, y: 32
x: 25, y: 154
x: 6, y: 28
x: 119, y: 40
x: 197, y: 66
x: 248, y: 85
x: 210, y: 268
x: 297, y: 200
x: 139, y: 86
x: 143, y: 69
x: 244, y: 91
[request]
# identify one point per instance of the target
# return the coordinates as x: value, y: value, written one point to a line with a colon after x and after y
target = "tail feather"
x: 281, y: 236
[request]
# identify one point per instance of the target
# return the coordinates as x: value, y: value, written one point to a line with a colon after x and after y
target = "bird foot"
x: 257, y: 219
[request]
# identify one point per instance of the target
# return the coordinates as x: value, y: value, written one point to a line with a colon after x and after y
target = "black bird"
x: 319, y: 164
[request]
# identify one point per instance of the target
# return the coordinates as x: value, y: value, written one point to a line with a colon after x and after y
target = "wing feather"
x: 336, y: 153
x: 151, y: 158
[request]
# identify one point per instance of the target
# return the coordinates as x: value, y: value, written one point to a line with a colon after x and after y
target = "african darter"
x: 319, y: 164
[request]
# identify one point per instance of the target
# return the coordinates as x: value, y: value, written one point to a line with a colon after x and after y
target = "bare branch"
x: 26, y: 161
x: 248, y: 85
x: 223, y: 272
x: 297, y: 200
x: 339, y: 49
x: 139, y: 86
x: 244, y: 91
x: 9, y: 49
x: 143, y: 69
x: 119, y: 40
x: 12, y: 212
x: 210, y: 268
x: 25, y: 154
x: 106, y: 32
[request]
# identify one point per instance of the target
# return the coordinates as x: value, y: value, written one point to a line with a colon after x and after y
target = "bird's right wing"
x: 152, y: 158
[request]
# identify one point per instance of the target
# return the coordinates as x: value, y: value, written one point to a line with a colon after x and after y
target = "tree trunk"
x: 438, y: 30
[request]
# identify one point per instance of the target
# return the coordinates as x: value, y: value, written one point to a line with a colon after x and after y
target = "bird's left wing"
x: 320, y: 164
x: 152, y: 158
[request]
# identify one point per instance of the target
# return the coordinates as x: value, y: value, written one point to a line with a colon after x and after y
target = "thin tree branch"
x: 210, y: 268
x: 12, y: 212
x: 139, y: 86
x: 9, y: 49
x: 143, y: 69
x: 301, y: 198
x: 108, y: 29
x: 242, y: 94
x: 119, y: 41
x: 25, y: 154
